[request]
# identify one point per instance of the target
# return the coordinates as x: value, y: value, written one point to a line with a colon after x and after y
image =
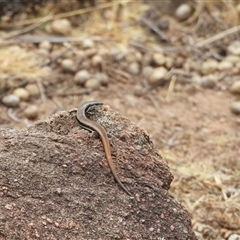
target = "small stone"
x: 45, y: 45
x: 235, y: 107
x: 139, y: 90
x: 235, y: 88
x: 11, y: 100
x: 97, y: 61
x: 81, y: 77
x: 134, y: 68
x: 104, y: 52
x: 183, y: 12
x: 68, y: 65
x: 146, y: 71
x: 88, y: 43
x: 92, y: 83
x: 90, y: 52
x: 234, y: 48
x: 146, y: 59
x: 109, y: 14
x: 138, y: 56
x: 169, y: 62
x: 225, y: 65
x: 232, y: 58
x: 159, y: 59
x: 31, y: 112
x: 208, y: 81
x: 42, y: 52
x: 157, y: 76
x: 234, y: 236
x: 62, y: 26
x: 102, y: 78
x: 22, y: 93
x: 209, y: 66
x: 33, y: 90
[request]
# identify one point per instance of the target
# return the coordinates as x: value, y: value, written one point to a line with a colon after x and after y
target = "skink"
x: 94, y: 126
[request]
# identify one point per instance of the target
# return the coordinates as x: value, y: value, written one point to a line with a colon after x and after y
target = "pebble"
x: 234, y: 236
x: 146, y: 59
x: 183, y: 12
x: 45, y: 45
x: 157, y: 76
x: 90, y: 52
x: 235, y: 88
x: 169, y: 62
x: 97, y: 61
x: 232, y: 58
x: 139, y: 90
x: 81, y: 77
x: 102, y: 78
x: 159, y: 59
x: 88, y: 43
x: 134, y: 68
x: 62, y: 26
x: 22, y: 93
x: 235, y: 107
x: 11, y: 100
x: 224, y: 65
x: 92, y: 83
x: 31, y: 112
x: 234, y: 48
x: 209, y: 66
x: 33, y: 90
x: 209, y: 81
x: 68, y: 65
x: 146, y: 71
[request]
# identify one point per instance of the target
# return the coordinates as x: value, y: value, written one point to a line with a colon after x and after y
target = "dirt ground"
x: 191, y: 124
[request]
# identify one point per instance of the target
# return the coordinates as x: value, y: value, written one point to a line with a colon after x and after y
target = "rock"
x: 224, y: 65
x: 90, y: 52
x: 209, y: 66
x: 234, y: 48
x: 209, y: 81
x: 159, y: 59
x: 134, y: 68
x: 234, y: 236
x: 81, y: 77
x: 31, y: 112
x: 169, y: 62
x: 45, y: 45
x: 68, y: 65
x: 183, y: 12
x: 33, y: 90
x: 235, y: 88
x: 52, y: 172
x: 22, y: 93
x: 88, y: 43
x: 92, y: 83
x: 97, y: 61
x: 146, y: 71
x: 157, y: 76
x: 232, y: 58
x: 62, y: 26
x: 235, y: 107
x: 139, y: 90
x: 102, y: 78
x: 11, y: 100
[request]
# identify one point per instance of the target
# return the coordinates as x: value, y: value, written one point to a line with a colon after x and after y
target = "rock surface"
x: 55, y: 183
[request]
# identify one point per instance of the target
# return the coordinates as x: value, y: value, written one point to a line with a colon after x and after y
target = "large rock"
x: 55, y: 183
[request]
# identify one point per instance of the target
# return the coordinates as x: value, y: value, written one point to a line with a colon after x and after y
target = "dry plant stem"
x: 62, y: 15
x: 171, y: 87
x: 64, y: 94
x: 59, y: 39
x: 12, y: 116
x: 27, y: 29
x: 153, y: 27
x: 218, y: 36
x: 41, y: 90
